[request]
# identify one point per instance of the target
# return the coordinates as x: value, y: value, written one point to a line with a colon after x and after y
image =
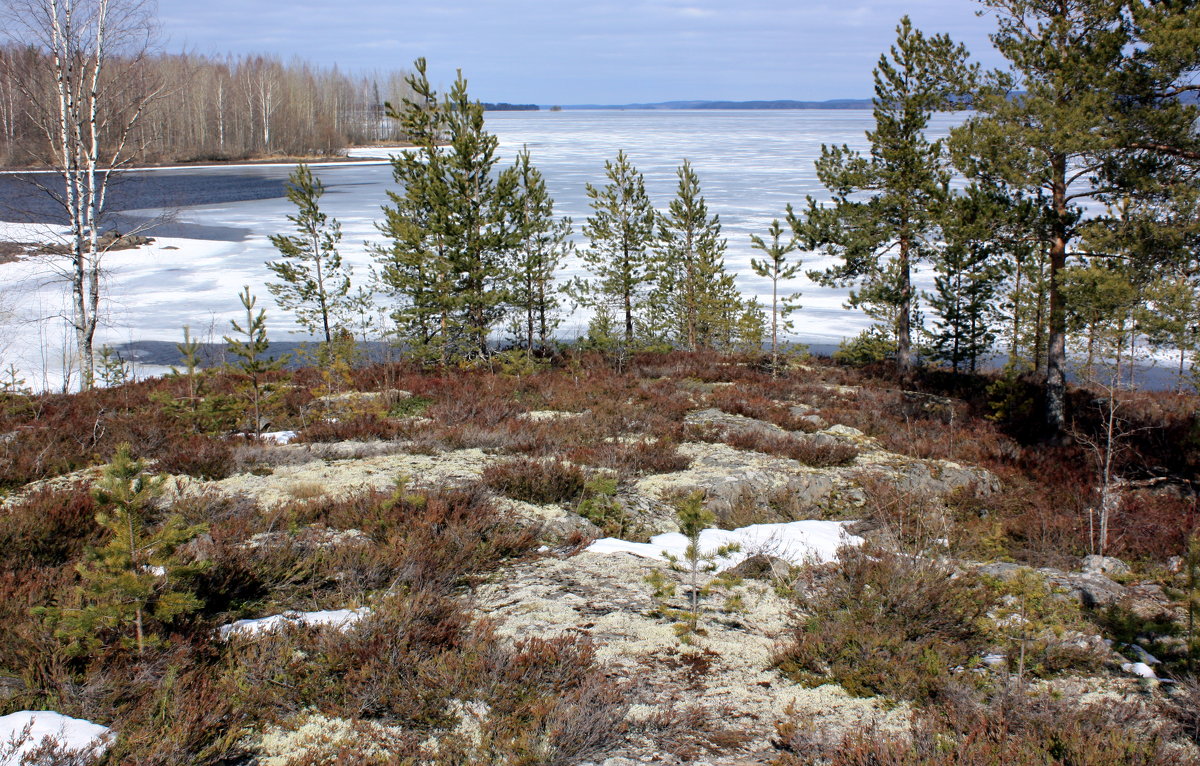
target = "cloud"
x: 573, y: 51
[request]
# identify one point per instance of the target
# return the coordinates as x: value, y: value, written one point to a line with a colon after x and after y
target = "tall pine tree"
x: 542, y: 243
x: 1085, y: 113
x: 968, y: 275
x: 620, y: 231
x: 450, y: 227
x: 879, y: 240
x: 694, y: 294
x: 414, y: 265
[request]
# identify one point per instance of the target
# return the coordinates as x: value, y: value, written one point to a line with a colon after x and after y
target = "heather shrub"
x: 736, y: 401
x: 200, y: 456
x: 360, y: 427
x: 49, y: 527
x: 536, y: 481
x: 886, y: 623
x: 811, y: 451
x: 634, y: 458
x: 1011, y: 727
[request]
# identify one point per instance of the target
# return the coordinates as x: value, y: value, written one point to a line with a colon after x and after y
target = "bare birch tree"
x: 95, y: 51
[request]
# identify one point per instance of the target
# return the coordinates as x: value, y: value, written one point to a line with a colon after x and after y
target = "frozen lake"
x: 751, y: 164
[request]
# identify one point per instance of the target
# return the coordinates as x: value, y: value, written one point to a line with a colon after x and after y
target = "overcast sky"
x: 586, y: 51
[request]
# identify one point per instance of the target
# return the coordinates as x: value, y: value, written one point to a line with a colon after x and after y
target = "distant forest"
x: 840, y: 103
x: 214, y: 108
x: 506, y: 107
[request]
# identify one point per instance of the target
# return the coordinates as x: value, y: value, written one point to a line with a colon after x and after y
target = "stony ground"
x: 713, y: 699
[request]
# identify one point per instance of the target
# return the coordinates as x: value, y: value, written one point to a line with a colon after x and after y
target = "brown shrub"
x: 360, y: 427
x: 811, y: 451
x: 646, y: 456
x: 200, y: 456
x: 1013, y: 728
x: 1153, y: 526
x: 48, y: 528
x: 536, y: 481
x: 886, y: 623
x: 736, y: 401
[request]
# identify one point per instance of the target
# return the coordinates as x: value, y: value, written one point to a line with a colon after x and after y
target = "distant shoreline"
x: 312, y: 160
x: 749, y: 106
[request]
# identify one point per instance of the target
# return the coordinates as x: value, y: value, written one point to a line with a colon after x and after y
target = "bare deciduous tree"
x: 94, y: 51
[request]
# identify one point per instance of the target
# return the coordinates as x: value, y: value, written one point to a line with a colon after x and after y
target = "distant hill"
x: 837, y: 103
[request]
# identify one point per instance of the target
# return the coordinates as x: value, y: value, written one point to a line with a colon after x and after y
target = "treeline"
x: 1061, y: 220
x: 471, y: 249
x: 504, y: 106
x: 208, y: 108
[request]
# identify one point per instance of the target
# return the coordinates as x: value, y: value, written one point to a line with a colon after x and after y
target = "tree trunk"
x: 1056, y: 346
x: 904, y: 353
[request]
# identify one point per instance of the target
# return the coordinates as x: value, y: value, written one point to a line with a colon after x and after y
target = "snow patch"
x: 78, y: 737
x: 797, y: 542
x: 280, y: 437
x: 335, y: 618
x: 1140, y: 669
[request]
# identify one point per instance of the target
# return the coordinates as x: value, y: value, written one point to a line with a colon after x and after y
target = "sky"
x: 586, y: 51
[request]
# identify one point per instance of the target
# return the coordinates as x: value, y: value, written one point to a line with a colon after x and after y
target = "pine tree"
x: 314, y: 284
x: 414, y: 267
x: 880, y: 240
x: 775, y: 267
x: 1103, y: 298
x: 482, y: 235
x: 1094, y: 109
x: 693, y: 292
x: 969, y: 272
x: 543, y: 244
x: 203, y: 410
x: 254, y: 364
x: 135, y: 578
x: 1171, y: 318
x: 620, y: 231
x: 450, y: 228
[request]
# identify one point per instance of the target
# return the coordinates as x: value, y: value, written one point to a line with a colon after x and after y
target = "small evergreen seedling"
x: 254, y: 364
x: 201, y: 409
x: 601, y: 507
x: 693, y: 518
x: 113, y: 370
x: 134, y: 577
x: 776, y: 268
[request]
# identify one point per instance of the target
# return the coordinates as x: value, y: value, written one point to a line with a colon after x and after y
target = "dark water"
x: 33, y: 198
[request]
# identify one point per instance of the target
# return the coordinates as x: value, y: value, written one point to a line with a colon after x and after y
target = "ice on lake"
x: 751, y: 164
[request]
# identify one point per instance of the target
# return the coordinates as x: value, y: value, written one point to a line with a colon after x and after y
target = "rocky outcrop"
x: 727, y: 672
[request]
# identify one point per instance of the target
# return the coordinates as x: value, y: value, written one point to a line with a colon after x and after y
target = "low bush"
x: 1012, y: 727
x: 885, y: 623
x: 633, y: 458
x: 49, y: 527
x: 200, y: 456
x: 361, y: 427
x: 536, y: 481
x: 809, y: 450
x: 736, y: 401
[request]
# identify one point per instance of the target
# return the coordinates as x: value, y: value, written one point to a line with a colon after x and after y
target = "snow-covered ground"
x: 797, y: 542
x: 335, y: 618
x: 27, y: 730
